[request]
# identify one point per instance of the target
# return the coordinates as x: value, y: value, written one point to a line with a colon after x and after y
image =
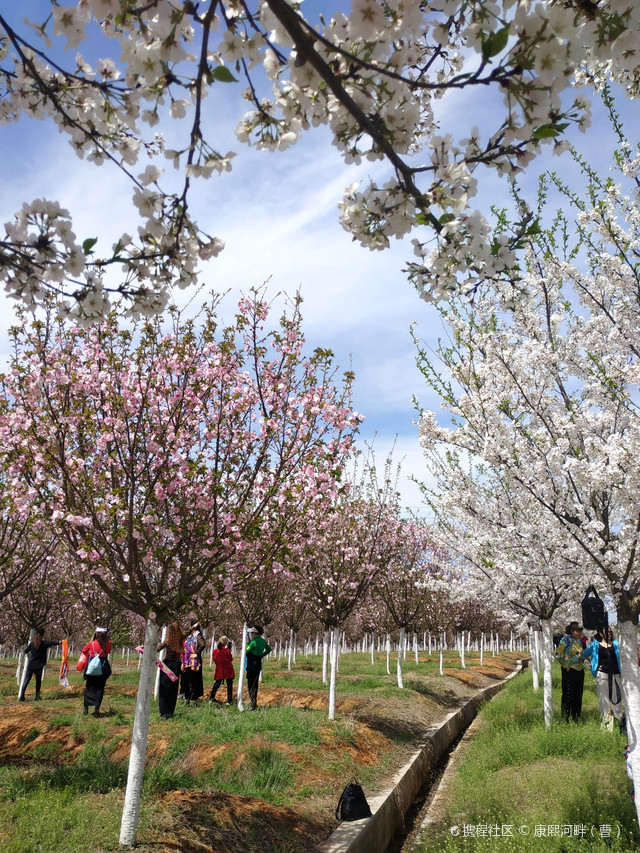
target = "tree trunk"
x: 335, y: 648
x: 22, y: 675
x: 388, y: 653
x: 373, y: 648
x: 243, y: 660
x: 547, y: 660
x: 325, y: 657
x: 133, y: 792
x: 630, y: 674
x: 399, y: 663
x: 290, y: 649
x: 156, y: 686
x: 535, y: 661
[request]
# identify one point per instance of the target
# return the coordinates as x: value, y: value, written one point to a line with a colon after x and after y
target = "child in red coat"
x: 224, y: 669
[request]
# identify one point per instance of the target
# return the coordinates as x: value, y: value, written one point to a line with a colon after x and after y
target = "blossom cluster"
x: 373, y: 76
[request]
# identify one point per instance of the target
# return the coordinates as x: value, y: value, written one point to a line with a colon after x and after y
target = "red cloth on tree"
x: 224, y: 668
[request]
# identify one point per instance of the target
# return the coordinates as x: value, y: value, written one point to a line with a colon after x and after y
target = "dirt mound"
x: 24, y: 733
x: 208, y: 822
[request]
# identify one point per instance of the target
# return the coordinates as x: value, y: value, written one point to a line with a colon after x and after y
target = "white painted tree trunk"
x: 400, y: 653
x: 133, y: 792
x: 243, y: 661
x: 415, y: 646
x: 462, y: 663
x: 373, y: 648
x: 441, y: 672
x: 19, y: 667
x: 628, y: 635
x: 335, y: 649
x: 388, y: 648
x: 295, y: 647
x: 325, y: 657
x: 290, y: 657
x: 535, y: 661
x: 22, y: 675
x: 482, y: 649
x: 547, y: 660
x: 211, y: 648
x: 156, y: 687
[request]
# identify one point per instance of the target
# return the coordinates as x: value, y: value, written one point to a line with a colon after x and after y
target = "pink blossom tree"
x: 344, y: 549
x: 161, y: 458
x: 409, y: 580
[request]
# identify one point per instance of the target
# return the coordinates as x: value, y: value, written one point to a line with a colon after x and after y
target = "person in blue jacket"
x: 603, y: 655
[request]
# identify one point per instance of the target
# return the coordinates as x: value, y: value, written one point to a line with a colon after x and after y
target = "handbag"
x: 352, y: 804
x: 95, y: 666
x: 83, y: 660
x: 594, y: 614
x: 607, y: 722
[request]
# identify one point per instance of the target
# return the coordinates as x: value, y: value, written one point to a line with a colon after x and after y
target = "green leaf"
x: 446, y: 217
x: 222, y: 73
x: 545, y: 132
x: 495, y: 43
x: 88, y: 245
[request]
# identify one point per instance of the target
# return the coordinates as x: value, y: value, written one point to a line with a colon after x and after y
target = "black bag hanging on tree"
x: 594, y: 614
x: 352, y: 804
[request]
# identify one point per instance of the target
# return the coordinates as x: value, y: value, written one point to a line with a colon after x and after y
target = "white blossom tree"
x: 374, y: 77
x: 545, y: 390
x: 515, y: 556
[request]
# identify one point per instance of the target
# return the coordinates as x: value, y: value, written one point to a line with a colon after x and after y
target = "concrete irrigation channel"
x: 396, y: 812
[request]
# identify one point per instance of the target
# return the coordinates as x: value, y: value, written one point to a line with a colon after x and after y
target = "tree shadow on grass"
x: 445, y: 698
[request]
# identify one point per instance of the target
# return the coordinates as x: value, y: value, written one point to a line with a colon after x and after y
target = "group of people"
x: 180, y: 667
x: 602, y: 656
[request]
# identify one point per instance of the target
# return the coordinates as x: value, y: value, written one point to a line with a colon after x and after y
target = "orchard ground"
x: 217, y: 780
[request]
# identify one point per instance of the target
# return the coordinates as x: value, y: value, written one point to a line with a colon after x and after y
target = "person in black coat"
x: 36, y: 653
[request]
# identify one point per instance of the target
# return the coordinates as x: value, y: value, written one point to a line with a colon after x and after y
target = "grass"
x: 515, y: 772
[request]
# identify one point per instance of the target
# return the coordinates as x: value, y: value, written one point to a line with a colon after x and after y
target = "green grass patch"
x: 558, y: 790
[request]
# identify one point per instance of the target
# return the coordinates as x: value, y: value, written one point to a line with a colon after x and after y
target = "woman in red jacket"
x: 100, y: 646
x: 224, y: 669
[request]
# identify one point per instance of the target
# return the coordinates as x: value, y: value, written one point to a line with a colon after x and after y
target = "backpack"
x: 594, y: 614
x: 352, y: 804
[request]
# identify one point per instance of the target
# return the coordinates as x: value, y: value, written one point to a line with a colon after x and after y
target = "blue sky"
x: 277, y: 213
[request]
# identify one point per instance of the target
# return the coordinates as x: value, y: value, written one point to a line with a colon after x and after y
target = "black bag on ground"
x: 352, y: 804
x: 594, y: 614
